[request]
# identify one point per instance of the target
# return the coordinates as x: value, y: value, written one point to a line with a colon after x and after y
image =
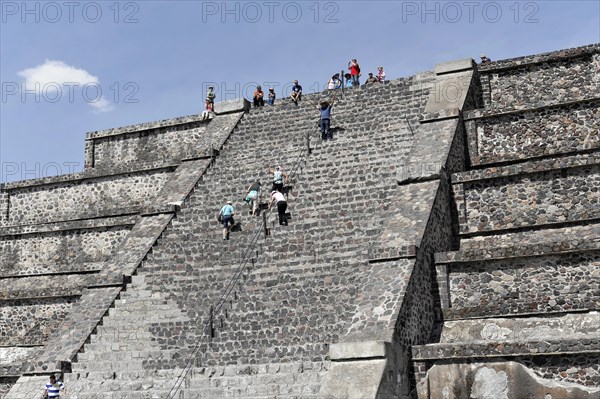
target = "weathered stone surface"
x: 509, y: 380
x: 292, y: 314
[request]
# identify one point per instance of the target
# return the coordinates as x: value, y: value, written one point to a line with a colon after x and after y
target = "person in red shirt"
x: 354, y: 72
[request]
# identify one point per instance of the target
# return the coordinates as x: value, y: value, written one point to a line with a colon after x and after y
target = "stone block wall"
x: 538, y: 198
x: 58, y: 252
x: 555, y: 283
x: 540, y: 81
x: 31, y: 321
x: 58, y: 199
x: 534, y: 132
x: 167, y: 141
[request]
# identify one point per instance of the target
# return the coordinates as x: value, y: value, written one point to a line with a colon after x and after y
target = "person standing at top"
x: 271, y: 99
x: 210, y: 99
x: 354, y: 71
x: 279, y: 178
x: 279, y: 199
x: 296, y: 92
x: 209, y: 103
x: 380, y: 75
x: 325, y: 125
x: 227, y: 212
x: 53, y: 388
x: 258, y: 97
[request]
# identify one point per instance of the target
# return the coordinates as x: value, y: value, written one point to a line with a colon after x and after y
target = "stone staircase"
x: 520, y: 298
x: 267, y: 339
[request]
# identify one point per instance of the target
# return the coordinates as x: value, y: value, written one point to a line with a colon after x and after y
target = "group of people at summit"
x: 352, y: 79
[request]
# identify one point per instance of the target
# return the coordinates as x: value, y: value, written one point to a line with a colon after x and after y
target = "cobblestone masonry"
x: 166, y: 144
x: 546, y: 82
x: 300, y: 294
x: 581, y: 368
x: 539, y: 132
x: 58, y: 251
x: 552, y: 197
x: 77, y: 200
x: 31, y: 321
x: 529, y: 285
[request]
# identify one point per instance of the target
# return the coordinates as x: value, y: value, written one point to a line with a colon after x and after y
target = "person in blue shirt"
x: 325, y: 125
x: 271, y: 98
x: 349, y: 82
x: 227, y: 213
x: 296, y: 92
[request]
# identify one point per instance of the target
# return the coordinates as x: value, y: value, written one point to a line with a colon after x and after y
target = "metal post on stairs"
x: 343, y: 83
x: 308, y: 150
x: 264, y: 222
x: 211, y: 325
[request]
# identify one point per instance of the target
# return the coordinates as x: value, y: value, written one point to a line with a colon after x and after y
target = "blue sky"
x: 69, y: 67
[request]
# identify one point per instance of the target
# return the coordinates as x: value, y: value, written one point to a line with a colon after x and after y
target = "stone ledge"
x: 345, y: 351
x: 465, y: 64
x: 528, y: 167
x: 90, y: 270
x: 505, y: 349
x: 139, y: 127
x: 490, y: 113
x: 89, y: 174
x: 79, y: 224
x: 440, y: 115
x: 553, y: 56
x: 524, y: 251
x: 231, y: 106
x: 575, y: 325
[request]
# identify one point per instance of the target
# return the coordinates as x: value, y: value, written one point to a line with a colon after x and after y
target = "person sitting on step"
x: 258, y: 97
x: 380, y: 75
x: 371, y: 79
x: 296, y: 92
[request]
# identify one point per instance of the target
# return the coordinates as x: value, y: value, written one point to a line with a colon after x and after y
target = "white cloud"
x: 52, y: 76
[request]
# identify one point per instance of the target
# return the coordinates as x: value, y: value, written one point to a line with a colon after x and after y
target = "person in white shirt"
x: 279, y: 199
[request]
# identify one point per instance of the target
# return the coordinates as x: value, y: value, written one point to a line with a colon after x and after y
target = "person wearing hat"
x: 271, y: 99
x: 325, y: 124
x: 371, y: 79
x: 380, y: 75
x: 279, y: 199
x: 227, y: 212
x: 258, y: 97
x: 484, y: 59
